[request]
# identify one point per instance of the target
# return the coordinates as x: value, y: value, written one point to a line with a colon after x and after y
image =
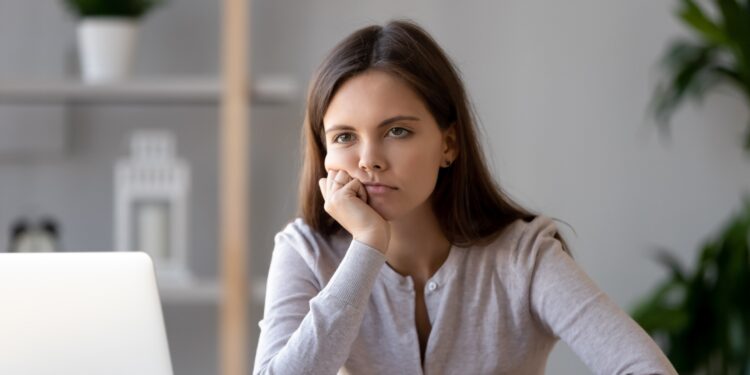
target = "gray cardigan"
x: 336, y: 306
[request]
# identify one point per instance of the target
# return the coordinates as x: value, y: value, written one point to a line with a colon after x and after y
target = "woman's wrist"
x: 377, y: 239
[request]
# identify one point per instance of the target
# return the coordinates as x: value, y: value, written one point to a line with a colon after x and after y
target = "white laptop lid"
x: 81, y: 313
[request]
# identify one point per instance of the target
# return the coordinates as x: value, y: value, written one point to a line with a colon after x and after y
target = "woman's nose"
x: 371, y: 158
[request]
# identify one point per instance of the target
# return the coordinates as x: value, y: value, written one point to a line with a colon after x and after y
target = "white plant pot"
x: 105, y: 48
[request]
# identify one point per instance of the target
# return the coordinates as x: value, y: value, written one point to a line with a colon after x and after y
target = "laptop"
x: 81, y: 313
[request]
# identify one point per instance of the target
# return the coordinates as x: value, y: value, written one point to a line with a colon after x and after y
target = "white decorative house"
x: 152, y: 188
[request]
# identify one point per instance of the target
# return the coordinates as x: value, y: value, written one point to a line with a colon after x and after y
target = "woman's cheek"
x: 335, y: 160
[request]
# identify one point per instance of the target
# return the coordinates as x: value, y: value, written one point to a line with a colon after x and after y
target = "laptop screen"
x: 81, y: 313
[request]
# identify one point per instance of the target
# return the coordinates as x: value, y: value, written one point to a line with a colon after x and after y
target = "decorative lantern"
x: 152, y: 188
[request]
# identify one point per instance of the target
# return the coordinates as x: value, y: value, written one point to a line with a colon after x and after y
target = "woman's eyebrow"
x: 383, y: 123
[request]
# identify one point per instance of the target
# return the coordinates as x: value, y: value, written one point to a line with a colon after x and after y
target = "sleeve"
x: 306, y: 329
x: 567, y: 303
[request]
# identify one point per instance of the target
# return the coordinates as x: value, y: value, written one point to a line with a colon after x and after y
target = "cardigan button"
x: 432, y: 286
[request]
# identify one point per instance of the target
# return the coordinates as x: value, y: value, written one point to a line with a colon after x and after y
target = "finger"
x: 329, y: 181
x: 322, y: 185
x: 342, y: 177
x: 362, y: 191
x: 351, y: 186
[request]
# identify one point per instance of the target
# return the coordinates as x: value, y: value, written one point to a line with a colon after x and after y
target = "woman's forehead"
x: 370, y: 98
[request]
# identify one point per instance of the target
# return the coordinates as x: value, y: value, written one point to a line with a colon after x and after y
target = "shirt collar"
x: 442, y: 276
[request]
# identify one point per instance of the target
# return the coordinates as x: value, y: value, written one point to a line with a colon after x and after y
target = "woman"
x: 407, y: 257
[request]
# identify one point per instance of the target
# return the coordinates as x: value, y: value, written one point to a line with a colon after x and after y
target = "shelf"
x: 204, y: 291
x: 186, y: 90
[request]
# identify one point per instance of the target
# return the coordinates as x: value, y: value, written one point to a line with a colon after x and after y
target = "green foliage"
x: 703, y: 317
x: 719, y: 52
x: 112, y: 8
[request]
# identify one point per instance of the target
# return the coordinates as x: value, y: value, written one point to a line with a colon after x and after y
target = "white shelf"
x: 204, y: 291
x: 185, y: 90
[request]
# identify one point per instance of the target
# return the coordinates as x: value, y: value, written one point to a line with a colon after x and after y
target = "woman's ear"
x: 450, y: 146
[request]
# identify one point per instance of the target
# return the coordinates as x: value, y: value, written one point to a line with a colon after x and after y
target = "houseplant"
x: 718, y: 53
x: 107, y: 31
x: 702, y: 317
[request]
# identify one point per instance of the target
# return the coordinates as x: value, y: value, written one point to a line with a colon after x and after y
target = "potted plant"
x: 107, y: 31
x: 702, y: 317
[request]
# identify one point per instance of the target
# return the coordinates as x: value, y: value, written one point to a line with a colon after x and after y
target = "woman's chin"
x: 385, y: 212
x: 395, y: 211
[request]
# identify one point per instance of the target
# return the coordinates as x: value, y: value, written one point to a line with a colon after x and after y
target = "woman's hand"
x: 345, y: 200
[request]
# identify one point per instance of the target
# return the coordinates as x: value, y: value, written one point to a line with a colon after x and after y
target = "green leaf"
x: 661, y: 312
x: 691, y: 67
x: 737, y: 25
x: 668, y: 260
x: 112, y: 8
x: 694, y: 16
x: 730, y: 74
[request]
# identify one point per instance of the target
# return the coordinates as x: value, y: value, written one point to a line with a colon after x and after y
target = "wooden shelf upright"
x: 234, y: 166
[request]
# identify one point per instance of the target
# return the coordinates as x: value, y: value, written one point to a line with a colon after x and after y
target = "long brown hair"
x: 470, y: 207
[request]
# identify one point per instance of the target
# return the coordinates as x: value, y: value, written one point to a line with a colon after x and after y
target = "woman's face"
x: 379, y: 131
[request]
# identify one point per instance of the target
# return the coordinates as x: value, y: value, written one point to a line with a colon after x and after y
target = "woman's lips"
x: 378, y: 188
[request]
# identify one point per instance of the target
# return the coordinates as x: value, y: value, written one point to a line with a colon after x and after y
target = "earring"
x: 447, y: 164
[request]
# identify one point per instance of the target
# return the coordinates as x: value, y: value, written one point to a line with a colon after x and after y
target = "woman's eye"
x: 399, y: 132
x: 343, y: 138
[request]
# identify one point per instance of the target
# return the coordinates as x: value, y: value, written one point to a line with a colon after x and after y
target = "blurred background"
x: 561, y: 90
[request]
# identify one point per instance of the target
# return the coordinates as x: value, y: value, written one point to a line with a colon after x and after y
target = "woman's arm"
x: 306, y: 330
x: 569, y: 305
x: 310, y: 331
